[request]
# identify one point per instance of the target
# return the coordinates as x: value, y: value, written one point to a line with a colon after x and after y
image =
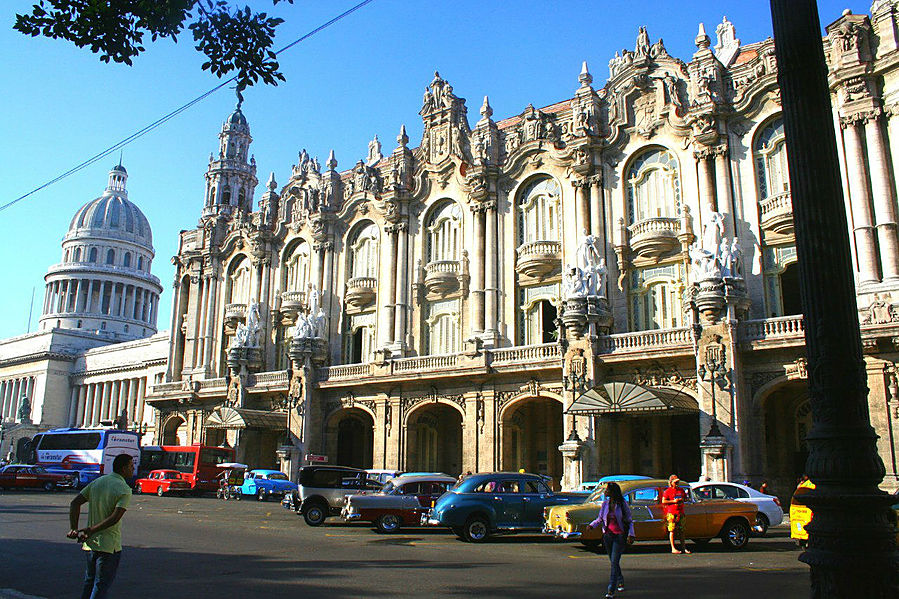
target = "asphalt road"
x: 203, y: 547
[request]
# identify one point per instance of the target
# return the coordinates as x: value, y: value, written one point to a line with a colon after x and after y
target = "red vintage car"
x: 400, y: 502
x: 162, y: 482
x: 19, y: 476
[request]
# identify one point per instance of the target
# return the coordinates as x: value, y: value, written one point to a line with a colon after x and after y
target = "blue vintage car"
x: 266, y: 483
x: 499, y: 502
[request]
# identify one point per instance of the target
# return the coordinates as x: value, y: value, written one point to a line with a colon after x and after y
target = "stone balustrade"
x: 293, y: 302
x: 442, y: 276
x: 235, y: 311
x: 539, y: 258
x: 361, y: 291
x: 645, y: 340
x: 343, y: 372
x: 167, y: 387
x: 782, y: 327
x: 526, y: 353
x: 777, y: 213
x: 654, y: 237
x: 425, y: 363
x: 271, y: 378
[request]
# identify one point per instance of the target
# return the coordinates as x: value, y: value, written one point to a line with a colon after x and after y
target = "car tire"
x: 159, y: 491
x: 476, y: 529
x: 735, y: 534
x: 315, y: 514
x: 138, y: 490
x: 260, y: 495
x: 761, y: 525
x: 48, y: 486
x: 388, y: 523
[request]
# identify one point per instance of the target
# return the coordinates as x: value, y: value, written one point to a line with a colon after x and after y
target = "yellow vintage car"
x: 705, y: 519
x: 801, y: 515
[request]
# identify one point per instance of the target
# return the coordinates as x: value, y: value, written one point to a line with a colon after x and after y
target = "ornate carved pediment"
x: 363, y: 179
x: 657, y: 375
x: 879, y: 311
x: 407, y: 403
x: 446, y: 129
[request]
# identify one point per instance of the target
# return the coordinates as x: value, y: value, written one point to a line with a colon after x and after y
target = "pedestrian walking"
x: 107, y: 498
x: 673, y: 499
x: 617, y: 530
x: 763, y: 488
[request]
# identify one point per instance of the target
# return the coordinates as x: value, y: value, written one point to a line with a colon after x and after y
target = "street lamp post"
x: 851, y: 550
x: 712, y: 371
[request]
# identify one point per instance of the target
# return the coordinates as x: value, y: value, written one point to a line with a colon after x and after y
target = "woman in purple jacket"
x: 617, y: 529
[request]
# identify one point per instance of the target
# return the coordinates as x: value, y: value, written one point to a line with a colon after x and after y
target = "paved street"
x: 203, y: 547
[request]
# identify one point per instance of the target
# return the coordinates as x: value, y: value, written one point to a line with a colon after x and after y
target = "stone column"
x: 597, y: 208
x: 582, y: 194
x: 851, y: 550
x: 477, y: 269
x: 722, y: 181
x: 211, y: 319
x: 389, y: 288
x: 402, y: 285
x: 132, y: 400
x: 73, y: 405
x: 141, y: 393
x: 707, y: 199
x: 89, y: 300
x: 82, y: 403
x: 884, y: 199
x: 491, y: 280
x: 105, y: 392
x: 859, y: 202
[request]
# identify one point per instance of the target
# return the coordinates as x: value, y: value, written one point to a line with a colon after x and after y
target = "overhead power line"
x: 174, y: 113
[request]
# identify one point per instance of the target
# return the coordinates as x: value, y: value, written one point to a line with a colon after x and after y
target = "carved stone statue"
x: 591, y: 265
x: 712, y: 232
x: 25, y: 410
x: 642, y: 50
x: 374, y: 152
x: 247, y: 335
x: 574, y: 285
x: 736, y: 258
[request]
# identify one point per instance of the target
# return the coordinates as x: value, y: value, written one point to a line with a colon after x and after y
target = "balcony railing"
x: 292, y: 301
x: 539, y: 258
x: 782, y: 327
x: 442, y: 276
x: 777, y: 213
x: 235, y: 311
x: 271, y: 378
x: 343, y: 372
x: 425, y: 363
x: 526, y: 353
x: 645, y: 340
x: 654, y: 237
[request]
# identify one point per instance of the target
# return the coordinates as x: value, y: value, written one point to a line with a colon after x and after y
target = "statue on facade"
x: 247, y: 335
x: 592, y: 266
x: 642, y: 50
x: 25, y: 410
x: 121, y: 422
x: 736, y: 258
x: 712, y: 232
x: 573, y: 284
x: 374, y: 152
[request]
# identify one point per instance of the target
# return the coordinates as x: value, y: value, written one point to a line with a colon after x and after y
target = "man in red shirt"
x: 673, y: 505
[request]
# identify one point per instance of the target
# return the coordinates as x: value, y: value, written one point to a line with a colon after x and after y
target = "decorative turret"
x: 230, y: 178
x: 585, y: 106
x: 445, y: 117
x: 485, y: 138
x: 402, y: 162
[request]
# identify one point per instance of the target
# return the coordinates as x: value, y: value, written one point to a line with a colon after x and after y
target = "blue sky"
x: 361, y: 77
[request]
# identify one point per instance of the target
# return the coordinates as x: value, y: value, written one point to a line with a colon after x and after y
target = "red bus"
x: 196, y: 463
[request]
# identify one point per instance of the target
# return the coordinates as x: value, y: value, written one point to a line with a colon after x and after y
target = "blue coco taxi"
x: 266, y: 483
x: 500, y: 502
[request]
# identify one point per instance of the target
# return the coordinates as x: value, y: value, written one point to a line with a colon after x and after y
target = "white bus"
x: 85, y: 451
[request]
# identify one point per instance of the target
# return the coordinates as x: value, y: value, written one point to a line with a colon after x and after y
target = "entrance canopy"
x: 233, y: 418
x: 627, y: 398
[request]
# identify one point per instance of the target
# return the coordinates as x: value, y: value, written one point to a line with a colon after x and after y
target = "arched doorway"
x: 174, y: 433
x: 787, y: 420
x: 350, y: 438
x: 434, y: 441
x: 532, y: 433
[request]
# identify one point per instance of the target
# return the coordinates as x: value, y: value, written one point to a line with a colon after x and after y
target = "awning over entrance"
x: 231, y: 418
x: 627, y: 398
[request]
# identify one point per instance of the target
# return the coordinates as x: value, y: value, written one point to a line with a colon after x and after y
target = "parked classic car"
x: 322, y: 491
x: 162, y: 482
x: 266, y: 483
x: 400, y: 502
x: 20, y: 476
x: 500, y: 502
x: 770, y: 512
x: 705, y: 519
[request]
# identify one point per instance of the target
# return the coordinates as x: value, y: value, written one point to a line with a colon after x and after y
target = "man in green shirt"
x: 107, y: 498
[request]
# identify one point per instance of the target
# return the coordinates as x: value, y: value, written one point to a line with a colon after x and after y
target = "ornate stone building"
x: 606, y: 284
x: 96, y: 350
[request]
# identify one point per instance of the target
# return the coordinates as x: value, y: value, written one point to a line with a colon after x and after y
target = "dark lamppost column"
x: 851, y: 549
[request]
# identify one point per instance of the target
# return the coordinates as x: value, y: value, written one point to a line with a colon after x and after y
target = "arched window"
x: 444, y: 333
x: 239, y: 279
x: 781, y: 274
x: 77, y: 257
x: 126, y: 261
x: 656, y: 297
x: 653, y: 186
x: 540, y: 323
x: 364, y: 259
x: 770, y: 152
x: 140, y: 263
x: 226, y: 196
x: 92, y: 255
x: 297, y: 263
x: 445, y: 233
x: 110, y: 257
x: 538, y: 211
x: 66, y: 256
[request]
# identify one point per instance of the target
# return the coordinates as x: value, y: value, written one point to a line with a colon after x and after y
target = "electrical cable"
x: 174, y: 113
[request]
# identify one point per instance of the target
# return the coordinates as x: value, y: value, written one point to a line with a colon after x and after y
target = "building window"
x: 92, y: 255
x: 656, y: 297
x: 361, y: 345
x: 364, y: 259
x: 770, y: 151
x: 298, y: 267
x: 103, y: 326
x: 78, y: 325
x: 444, y: 335
x: 781, y: 275
x: 444, y: 232
x: 140, y: 263
x: 538, y: 211
x: 126, y: 328
x: 110, y: 257
x: 653, y: 186
x: 126, y: 261
x: 77, y: 257
x: 240, y: 277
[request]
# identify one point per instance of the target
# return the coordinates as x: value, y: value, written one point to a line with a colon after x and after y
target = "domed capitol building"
x: 607, y: 284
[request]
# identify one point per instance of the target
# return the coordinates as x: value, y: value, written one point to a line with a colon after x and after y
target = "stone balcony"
x: 654, y: 237
x: 539, y: 259
x: 292, y: 303
x: 777, y: 213
x: 361, y: 291
x: 442, y: 276
x: 234, y: 314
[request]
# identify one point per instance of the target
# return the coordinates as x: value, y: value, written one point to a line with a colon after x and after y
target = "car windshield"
x: 277, y: 476
x: 598, y: 494
x: 389, y: 488
x: 171, y: 475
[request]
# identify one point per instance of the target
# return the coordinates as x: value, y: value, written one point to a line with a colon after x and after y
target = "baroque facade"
x: 96, y: 350
x: 606, y: 284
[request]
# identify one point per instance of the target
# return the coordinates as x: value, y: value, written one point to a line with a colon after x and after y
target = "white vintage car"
x: 401, y: 501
